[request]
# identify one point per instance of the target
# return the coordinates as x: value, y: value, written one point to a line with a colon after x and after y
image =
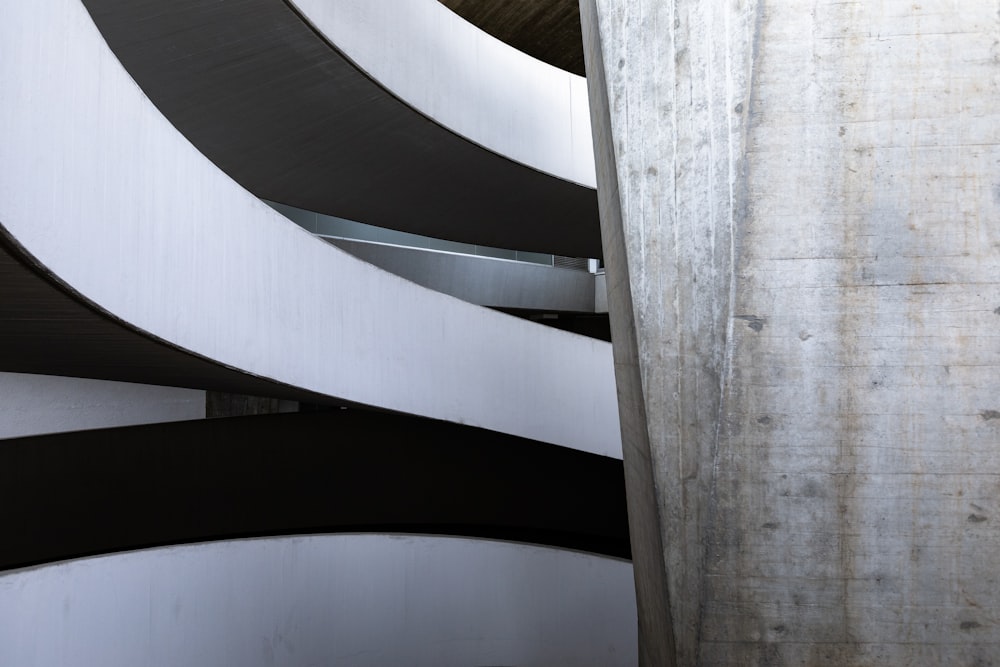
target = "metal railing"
x: 330, y: 226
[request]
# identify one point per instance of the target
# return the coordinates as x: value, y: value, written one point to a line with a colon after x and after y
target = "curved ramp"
x: 333, y: 600
x: 263, y: 94
x: 101, y: 192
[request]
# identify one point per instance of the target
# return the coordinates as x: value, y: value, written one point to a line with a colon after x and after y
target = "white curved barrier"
x: 338, y: 600
x: 39, y: 404
x: 467, y: 80
x: 102, y: 191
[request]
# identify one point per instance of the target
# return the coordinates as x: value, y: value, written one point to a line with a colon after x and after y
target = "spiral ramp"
x: 349, y: 537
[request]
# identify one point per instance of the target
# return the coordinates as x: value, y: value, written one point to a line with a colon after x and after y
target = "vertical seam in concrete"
x: 656, y: 644
x: 738, y: 213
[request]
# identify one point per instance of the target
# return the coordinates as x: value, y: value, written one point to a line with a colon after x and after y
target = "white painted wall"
x: 37, y: 404
x: 337, y: 601
x: 104, y: 193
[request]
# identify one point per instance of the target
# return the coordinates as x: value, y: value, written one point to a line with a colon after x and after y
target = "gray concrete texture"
x: 810, y: 233
x: 655, y: 636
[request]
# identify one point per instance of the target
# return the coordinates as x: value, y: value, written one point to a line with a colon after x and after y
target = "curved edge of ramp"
x: 283, y: 110
x: 467, y: 80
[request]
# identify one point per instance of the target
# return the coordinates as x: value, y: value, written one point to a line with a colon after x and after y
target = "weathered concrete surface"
x: 676, y: 95
x: 810, y: 225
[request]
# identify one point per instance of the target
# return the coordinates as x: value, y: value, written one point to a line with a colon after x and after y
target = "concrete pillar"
x: 801, y: 220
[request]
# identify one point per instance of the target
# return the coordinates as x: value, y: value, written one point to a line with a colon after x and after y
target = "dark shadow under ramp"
x: 93, y: 492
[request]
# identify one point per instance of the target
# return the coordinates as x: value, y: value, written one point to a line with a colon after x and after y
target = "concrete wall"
x: 101, y: 191
x: 36, y: 404
x: 809, y: 207
x: 342, y: 601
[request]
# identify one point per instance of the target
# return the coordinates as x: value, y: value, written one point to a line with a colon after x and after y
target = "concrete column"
x: 801, y: 214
